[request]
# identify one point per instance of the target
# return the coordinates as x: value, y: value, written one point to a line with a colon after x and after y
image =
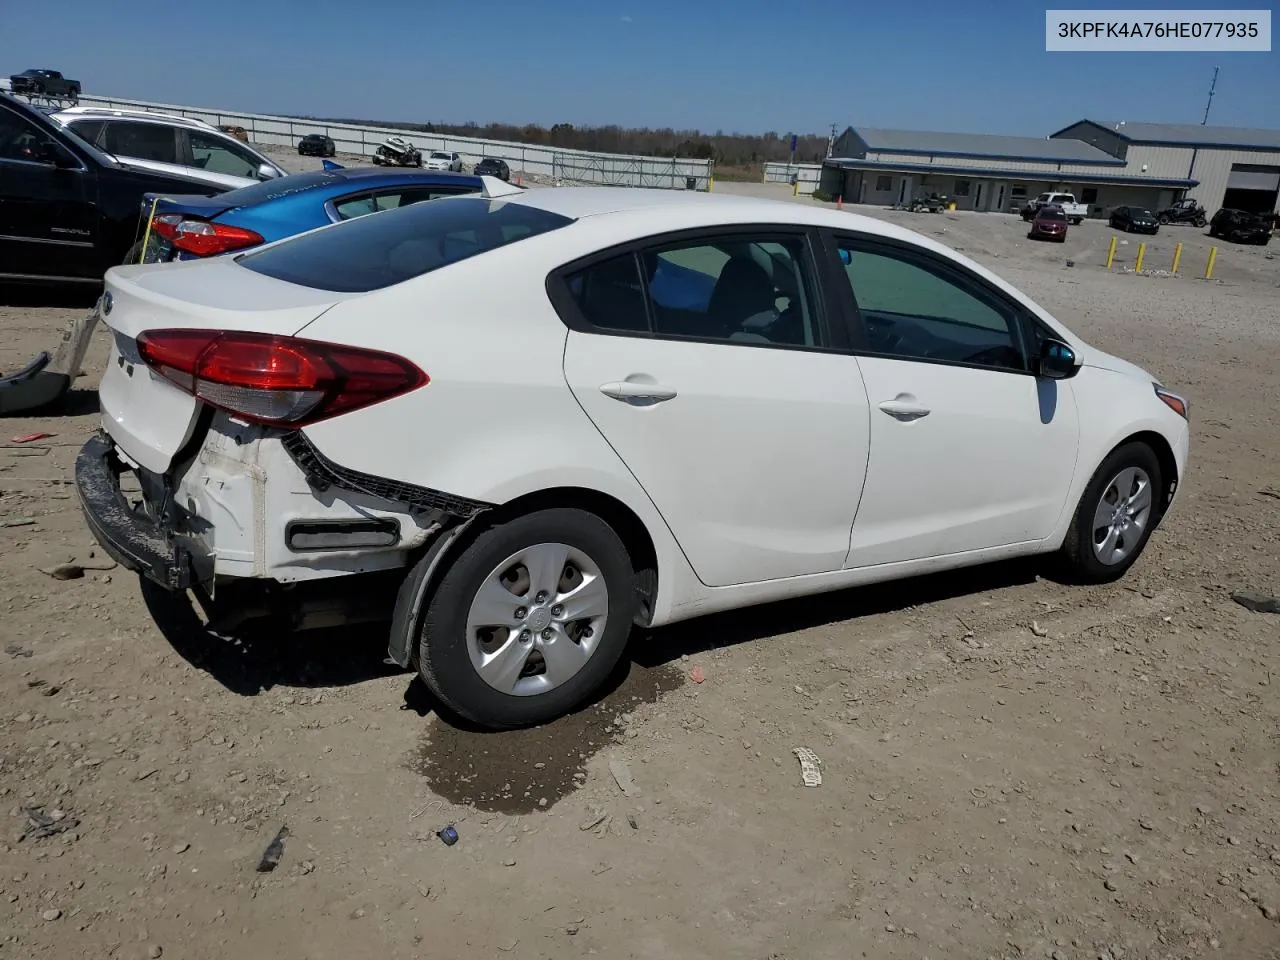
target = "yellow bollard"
x: 146, y: 234
x: 1213, y: 255
x: 1111, y: 251
x: 1142, y: 252
x: 1177, y: 257
x: 711, y: 184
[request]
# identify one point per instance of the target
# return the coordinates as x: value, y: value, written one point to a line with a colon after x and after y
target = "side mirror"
x: 267, y: 172
x: 1056, y: 361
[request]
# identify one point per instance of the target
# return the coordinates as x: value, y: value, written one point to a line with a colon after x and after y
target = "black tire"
x: 1199, y: 221
x: 1163, y: 219
x: 443, y: 660
x: 1077, y: 555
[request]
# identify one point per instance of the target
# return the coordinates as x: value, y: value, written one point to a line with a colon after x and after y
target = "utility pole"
x: 1212, y: 86
x: 831, y: 141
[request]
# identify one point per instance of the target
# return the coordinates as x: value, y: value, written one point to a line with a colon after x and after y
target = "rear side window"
x: 143, y: 141
x: 369, y: 253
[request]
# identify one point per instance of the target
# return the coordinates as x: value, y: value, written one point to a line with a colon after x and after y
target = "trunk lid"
x: 149, y: 418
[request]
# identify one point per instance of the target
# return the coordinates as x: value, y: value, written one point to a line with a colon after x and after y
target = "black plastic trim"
x: 322, y: 473
x: 378, y: 525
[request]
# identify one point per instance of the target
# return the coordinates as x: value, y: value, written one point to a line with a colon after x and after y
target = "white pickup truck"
x: 1067, y: 201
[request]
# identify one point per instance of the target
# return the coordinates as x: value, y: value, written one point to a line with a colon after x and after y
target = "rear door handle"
x: 629, y: 391
x: 903, y: 409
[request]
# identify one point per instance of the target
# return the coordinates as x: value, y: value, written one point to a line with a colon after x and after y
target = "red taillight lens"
x: 276, y: 380
x: 206, y: 239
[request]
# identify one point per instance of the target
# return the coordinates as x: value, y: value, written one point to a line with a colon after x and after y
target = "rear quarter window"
x: 372, y: 252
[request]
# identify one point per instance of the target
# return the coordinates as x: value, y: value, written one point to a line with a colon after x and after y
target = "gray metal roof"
x: 983, y: 145
x: 1193, y: 134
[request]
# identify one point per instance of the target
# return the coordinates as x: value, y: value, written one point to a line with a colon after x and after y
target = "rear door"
x: 969, y: 450
x: 707, y: 362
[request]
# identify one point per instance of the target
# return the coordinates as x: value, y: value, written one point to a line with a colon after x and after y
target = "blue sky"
x: 748, y: 66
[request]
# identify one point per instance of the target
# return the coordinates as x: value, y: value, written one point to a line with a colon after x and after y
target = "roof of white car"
x: 711, y: 208
x: 71, y: 113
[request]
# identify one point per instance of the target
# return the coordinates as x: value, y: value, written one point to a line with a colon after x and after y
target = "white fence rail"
x: 577, y: 166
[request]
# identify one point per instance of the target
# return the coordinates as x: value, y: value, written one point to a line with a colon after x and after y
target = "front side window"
x: 218, y: 156
x: 369, y: 253
x: 915, y: 308
x: 142, y: 141
x: 736, y: 289
x: 19, y: 139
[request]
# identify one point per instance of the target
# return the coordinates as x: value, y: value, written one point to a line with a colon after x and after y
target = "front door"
x: 968, y: 449
x: 999, y: 193
x: 717, y: 393
x: 977, y: 197
x: 47, y: 221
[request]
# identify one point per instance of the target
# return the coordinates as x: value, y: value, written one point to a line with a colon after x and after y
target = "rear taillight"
x: 275, y: 380
x: 206, y: 239
x: 201, y: 237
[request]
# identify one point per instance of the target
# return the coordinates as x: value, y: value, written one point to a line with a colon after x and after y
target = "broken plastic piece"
x: 275, y: 850
x: 809, y: 766
x: 448, y: 834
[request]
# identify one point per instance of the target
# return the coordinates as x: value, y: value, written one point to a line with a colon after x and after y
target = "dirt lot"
x: 1012, y: 768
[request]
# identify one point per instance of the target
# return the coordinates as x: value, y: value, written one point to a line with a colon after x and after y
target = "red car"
x: 1050, y: 223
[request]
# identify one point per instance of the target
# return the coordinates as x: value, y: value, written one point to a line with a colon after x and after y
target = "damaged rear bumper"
x: 136, y: 542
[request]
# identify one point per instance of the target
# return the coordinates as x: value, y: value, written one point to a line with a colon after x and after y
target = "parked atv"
x: 1184, y: 211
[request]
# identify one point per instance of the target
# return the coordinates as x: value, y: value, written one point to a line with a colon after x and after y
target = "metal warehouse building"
x: 1236, y: 167
x: 987, y: 172
x: 1103, y: 164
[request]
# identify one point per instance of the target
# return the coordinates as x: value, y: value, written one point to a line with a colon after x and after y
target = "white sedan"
x: 519, y: 423
x: 443, y: 160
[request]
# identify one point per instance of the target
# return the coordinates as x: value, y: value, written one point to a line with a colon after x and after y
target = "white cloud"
x: 625, y: 19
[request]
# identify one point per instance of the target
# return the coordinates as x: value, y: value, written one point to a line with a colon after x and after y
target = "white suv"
x: 517, y: 423
x: 171, y: 144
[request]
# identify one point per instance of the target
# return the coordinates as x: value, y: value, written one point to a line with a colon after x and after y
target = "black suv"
x: 68, y: 211
x: 1241, y: 226
x: 316, y: 145
x: 492, y: 167
x: 49, y: 82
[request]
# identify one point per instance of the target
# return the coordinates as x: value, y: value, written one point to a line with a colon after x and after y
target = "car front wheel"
x: 1115, y: 516
x: 529, y: 620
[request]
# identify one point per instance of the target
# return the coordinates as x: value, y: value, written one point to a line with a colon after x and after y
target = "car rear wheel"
x: 529, y: 619
x: 1115, y: 516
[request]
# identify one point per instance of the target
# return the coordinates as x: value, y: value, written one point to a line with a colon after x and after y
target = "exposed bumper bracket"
x: 136, y: 542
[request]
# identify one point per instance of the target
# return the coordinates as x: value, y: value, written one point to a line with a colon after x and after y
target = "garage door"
x: 1250, y: 176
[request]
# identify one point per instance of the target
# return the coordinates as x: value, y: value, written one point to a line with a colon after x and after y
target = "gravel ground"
x: 1012, y: 768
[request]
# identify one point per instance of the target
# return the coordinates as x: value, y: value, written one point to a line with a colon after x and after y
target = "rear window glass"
x: 372, y: 252
x: 279, y: 187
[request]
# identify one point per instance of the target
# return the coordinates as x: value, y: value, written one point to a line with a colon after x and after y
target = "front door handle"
x: 630, y: 391
x: 905, y: 408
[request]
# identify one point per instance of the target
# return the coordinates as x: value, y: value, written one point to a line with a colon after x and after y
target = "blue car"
x: 188, y: 227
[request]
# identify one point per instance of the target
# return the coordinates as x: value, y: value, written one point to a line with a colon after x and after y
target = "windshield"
x: 1052, y: 215
x: 1143, y: 213
x: 381, y: 249
x: 437, y: 155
